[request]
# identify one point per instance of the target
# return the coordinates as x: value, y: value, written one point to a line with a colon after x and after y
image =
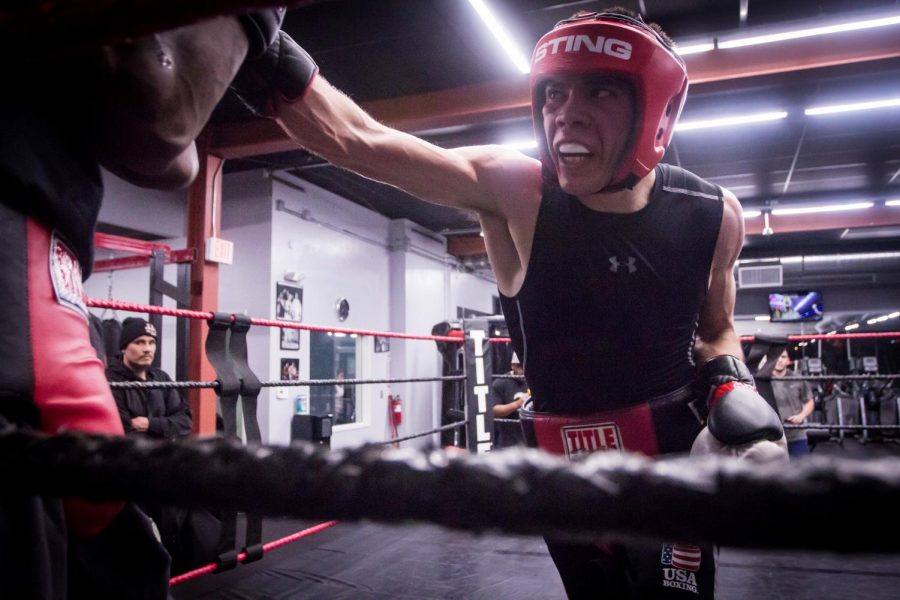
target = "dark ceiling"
x: 401, y: 49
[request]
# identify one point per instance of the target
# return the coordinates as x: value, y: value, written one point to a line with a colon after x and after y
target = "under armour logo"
x: 615, y: 264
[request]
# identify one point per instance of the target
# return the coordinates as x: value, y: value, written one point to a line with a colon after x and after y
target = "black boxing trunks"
x: 663, y: 425
x: 50, y: 378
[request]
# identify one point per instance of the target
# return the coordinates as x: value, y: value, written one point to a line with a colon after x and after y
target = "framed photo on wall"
x: 288, y: 302
x: 290, y: 369
x: 382, y: 343
x: 290, y: 339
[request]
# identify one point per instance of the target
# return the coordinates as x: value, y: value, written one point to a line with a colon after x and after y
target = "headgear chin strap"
x: 617, y: 45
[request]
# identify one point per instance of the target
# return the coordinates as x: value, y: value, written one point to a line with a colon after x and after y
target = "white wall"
x: 158, y: 212
x: 395, y: 275
x: 338, y: 250
x: 244, y: 284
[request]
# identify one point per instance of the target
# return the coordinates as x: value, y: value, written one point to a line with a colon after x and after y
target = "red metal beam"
x: 877, y: 215
x: 204, y: 286
x: 463, y: 246
x: 133, y: 262
x: 121, y: 243
x: 506, y: 99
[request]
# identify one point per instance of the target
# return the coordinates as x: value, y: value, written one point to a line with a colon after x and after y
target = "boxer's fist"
x: 262, y: 29
x: 284, y: 70
x: 739, y: 421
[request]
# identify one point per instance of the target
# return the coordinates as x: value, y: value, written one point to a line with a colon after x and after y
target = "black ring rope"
x: 510, y: 376
x: 607, y: 495
x: 150, y: 385
x: 413, y: 436
x: 836, y: 377
x: 824, y: 426
x: 161, y: 385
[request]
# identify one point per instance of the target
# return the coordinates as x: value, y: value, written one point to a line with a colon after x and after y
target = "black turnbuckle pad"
x: 254, y: 553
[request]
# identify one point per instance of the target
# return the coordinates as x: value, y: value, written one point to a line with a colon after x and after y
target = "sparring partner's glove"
x: 739, y: 422
x: 262, y: 29
x: 284, y: 70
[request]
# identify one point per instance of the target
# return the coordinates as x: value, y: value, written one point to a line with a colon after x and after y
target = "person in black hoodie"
x: 152, y: 412
x: 189, y: 535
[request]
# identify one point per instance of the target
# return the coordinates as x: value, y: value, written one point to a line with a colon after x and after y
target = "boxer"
x: 134, y: 108
x: 614, y: 270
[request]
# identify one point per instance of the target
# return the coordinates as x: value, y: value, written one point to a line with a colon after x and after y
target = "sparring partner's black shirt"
x: 607, y: 313
x: 47, y: 168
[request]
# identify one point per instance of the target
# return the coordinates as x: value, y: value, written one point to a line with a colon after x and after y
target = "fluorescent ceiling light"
x: 502, y: 37
x: 730, y: 121
x: 892, y: 203
x: 842, y: 108
x: 894, y: 315
x: 695, y: 48
x: 851, y: 327
x: 872, y: 233
x: 802, y: 210
x: 816, y: 258
x: 752, y: 214
x: 871, y: 321
x: 809, y: 32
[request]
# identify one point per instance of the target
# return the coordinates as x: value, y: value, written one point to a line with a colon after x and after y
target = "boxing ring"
x: 513, y: 492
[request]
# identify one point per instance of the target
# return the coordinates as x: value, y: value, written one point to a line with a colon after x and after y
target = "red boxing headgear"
x: 617, y: 45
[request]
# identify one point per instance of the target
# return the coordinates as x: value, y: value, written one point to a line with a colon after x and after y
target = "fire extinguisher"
x: 396, y: 410
x: 395, y: 415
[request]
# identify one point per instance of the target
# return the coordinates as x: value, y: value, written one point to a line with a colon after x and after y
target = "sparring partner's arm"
x: 501, y: 185
x: 500, y: 408
x: 809, y: 406
x: 738, y: 420
x: 155, y: 94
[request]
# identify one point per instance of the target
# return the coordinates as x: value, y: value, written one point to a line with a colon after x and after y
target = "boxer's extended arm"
x: 502, y: 185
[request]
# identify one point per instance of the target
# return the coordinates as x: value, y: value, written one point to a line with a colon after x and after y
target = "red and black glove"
x: 738, y: 420
x: 283, y: 70
x: 262, y: 29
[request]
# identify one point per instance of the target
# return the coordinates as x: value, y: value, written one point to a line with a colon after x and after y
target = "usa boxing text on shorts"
x: 680, y: 579
x: 575, y: 43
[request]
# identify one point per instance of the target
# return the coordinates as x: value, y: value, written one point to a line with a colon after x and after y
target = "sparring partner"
x: 136, y: 108
x: 507, y: 396
x: 614, y: 271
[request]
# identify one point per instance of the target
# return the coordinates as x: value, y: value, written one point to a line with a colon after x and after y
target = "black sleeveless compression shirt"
x: 607, y: 313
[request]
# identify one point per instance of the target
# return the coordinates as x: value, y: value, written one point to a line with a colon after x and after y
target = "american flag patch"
x: 681, y: 556
x: 585, y: 439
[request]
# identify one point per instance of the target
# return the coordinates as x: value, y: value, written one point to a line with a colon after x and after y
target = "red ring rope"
x: 205, y: 316
x: 211, y: 567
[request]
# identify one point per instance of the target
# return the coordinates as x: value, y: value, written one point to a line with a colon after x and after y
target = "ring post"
x: 480, y: 422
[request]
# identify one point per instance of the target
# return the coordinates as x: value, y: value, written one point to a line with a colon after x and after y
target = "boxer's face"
x: 138, y: 355
x: 588, y: 122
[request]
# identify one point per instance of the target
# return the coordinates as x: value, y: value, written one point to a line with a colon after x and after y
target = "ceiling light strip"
x: 824, y: 208
x: 842, y: 108
x: 810, y: 32
x: 730, y: 121
x: 512, y: 51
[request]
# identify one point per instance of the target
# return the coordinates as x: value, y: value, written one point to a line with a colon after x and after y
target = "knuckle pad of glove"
x: 760, y: 450
x: 743, y: 416
x: 261, y: 28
